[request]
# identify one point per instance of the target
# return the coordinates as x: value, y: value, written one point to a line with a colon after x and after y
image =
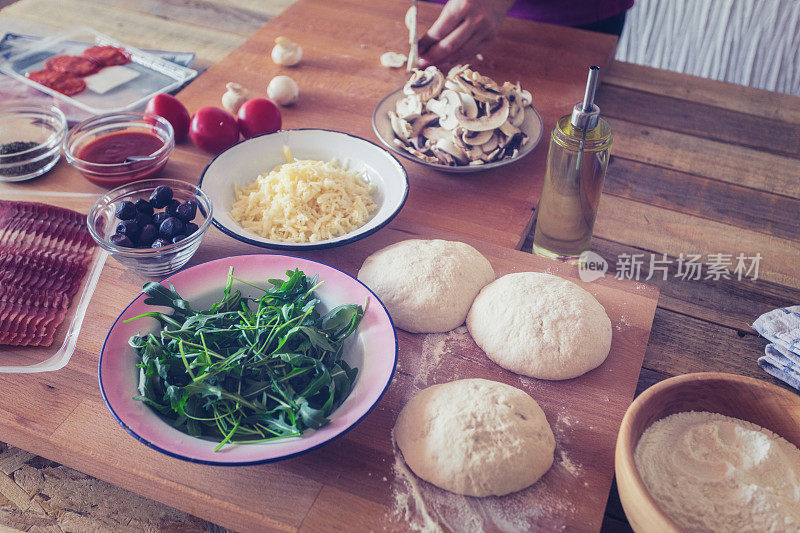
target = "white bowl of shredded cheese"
x: 304, y: 189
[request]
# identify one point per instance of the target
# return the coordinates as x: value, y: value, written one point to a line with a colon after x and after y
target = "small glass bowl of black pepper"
x: 151, y: 226
x: 30, y: 140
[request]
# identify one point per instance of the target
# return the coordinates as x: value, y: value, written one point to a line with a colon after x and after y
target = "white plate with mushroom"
x: 462, y: 122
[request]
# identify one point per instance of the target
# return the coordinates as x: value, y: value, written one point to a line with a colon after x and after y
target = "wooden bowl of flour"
x: 741, y: 397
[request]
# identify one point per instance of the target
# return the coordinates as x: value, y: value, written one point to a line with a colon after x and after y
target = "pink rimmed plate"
x: 373, y: 350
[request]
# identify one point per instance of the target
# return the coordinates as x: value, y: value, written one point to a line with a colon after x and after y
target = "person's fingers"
x: 451, y: 44
x: 449, y: 19
x: 473, y: 46
x: 424, y: 43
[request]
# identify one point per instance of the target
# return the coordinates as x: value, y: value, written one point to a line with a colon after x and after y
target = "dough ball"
x: 475, y: 437
x: 427, y: 286
x: 540, y: 325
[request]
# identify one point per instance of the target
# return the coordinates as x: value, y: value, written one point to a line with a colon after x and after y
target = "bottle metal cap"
x: 586, y: 114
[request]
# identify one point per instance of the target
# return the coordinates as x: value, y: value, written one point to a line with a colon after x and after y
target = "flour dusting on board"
x: 429, y: 509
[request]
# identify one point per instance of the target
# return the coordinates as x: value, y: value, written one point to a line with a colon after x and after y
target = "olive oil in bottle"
x: 577, y: 160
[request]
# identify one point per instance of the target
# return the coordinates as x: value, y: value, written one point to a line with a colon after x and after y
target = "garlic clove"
x: 286, y: 53
x: 283, y: 90
x: 234, y: 97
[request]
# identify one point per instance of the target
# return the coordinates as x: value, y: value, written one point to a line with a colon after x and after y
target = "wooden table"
x: 698, y: 167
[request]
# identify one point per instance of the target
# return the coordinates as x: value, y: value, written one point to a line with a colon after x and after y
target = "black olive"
x: 171, y: 227
x: 121, y: 240
x: 187, y: 210
x: 143, y: 220
x: 160, y: 217
x: 161, y: 196
x: 159, y: 243
x: 125, y: 210
x: 191, y: 227
x: 178, y: 238
x: 148, y: 234
x: 144, y: 207
x: 129, y: 228
x: 172, y: 207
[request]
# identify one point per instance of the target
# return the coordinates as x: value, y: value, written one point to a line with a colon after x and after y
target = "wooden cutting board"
x: 355, y: 482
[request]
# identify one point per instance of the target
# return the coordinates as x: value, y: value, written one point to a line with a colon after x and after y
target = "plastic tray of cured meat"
x: 94, y: 72
x: 49, y: 267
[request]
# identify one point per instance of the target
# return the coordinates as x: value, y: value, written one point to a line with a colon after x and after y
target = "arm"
x: 461, y: 29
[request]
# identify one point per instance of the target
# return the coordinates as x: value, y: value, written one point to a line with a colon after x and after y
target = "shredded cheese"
x: 304, y: 201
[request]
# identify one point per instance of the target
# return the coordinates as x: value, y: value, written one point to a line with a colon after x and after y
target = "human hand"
x: 461, y: 29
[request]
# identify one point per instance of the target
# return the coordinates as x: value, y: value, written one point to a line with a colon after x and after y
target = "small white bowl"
x: 243, y: 162
x: 532, y: 127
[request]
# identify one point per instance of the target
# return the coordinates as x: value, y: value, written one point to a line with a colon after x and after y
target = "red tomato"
x: 213, y: 129
x: 173, y: 111
x: 258, y: 116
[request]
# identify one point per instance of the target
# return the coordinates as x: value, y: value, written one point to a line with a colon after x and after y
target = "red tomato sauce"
x: 116, y: 147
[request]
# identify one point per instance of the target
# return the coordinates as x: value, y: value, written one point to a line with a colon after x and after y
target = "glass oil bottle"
x: 577, y: 160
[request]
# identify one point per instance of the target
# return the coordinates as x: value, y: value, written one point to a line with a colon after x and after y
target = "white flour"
x: 710, y: 472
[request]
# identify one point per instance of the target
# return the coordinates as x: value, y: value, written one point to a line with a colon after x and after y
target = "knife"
x: 411, y: 24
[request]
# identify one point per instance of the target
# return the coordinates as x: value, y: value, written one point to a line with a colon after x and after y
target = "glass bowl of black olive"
x: 151, y: 226
x: 30, y: 140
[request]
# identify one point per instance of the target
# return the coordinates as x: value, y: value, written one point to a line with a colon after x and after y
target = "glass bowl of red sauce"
x: 119, y: 148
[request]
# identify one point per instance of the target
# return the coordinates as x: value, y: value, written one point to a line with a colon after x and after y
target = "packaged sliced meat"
x: 45, y: 252
x: 107, y: 55
x: 75, y: 65
x: 58, y: 81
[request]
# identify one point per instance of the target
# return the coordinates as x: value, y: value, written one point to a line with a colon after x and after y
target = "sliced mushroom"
x: 476, y: 138
x: 451, y: 148
x: 400, y: 127
x: 516, y: 114
x: 525, y: 96
x: 492, y: 143
x: 474, y: 153
x: 417, y: 153
x: 446, y: 106
x: 494, y: 155
x: 423, y: 122
x: 456, y: 70
x: 436, y: 134
x: 481, y: 88
x: 468, y: 105
x: 409, y: 107
x: 509, y: 129
x: 492, y: 120
x: 425, y: 84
